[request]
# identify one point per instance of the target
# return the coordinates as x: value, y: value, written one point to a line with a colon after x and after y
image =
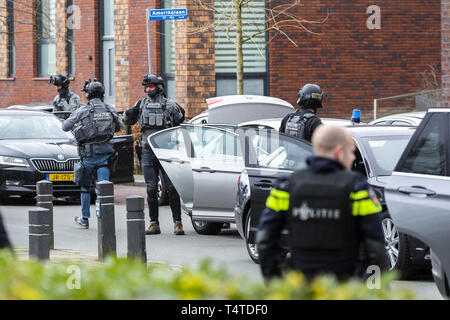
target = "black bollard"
x: 106, y: 220
x: 39, y: 233
x: 136, y: 228
x: 44, y: 199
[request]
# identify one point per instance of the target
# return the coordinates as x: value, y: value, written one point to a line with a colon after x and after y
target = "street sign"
x: 168, y: 14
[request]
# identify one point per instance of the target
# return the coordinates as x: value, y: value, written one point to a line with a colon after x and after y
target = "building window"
x: 168, y: 68
x: 46, y: 37
x: 11, y: 40
x: 255, y: 70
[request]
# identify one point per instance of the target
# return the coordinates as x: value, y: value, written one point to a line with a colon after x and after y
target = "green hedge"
x: 119, y: 278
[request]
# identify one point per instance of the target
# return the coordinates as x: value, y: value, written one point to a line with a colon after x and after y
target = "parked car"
x: 201, y: 118
x: 377, y: 151
x: 34, y: 147
x: 40, y: 106
x: 418, y: 192
x: 400, y: 119
x: 229, y: 110
x: 250, y: 104
x: 276, y: 123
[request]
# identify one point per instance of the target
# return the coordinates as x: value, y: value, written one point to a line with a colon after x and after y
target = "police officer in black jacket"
x: 93, y: 125
x: 331, y: 213
x: 154, y: 113
x: 302, y: 123
x: 66, y: 100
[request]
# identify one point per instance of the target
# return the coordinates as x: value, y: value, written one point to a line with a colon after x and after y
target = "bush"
x: 119, y: 278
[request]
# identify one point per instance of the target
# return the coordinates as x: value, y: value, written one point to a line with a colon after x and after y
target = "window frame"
x: 251, y: 75
x: 167, y: 76
x: 11, y: 40
x: 429, y: 120
x: 41, y: 40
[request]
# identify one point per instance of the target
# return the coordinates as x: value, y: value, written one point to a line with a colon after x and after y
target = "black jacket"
x: 311, y: 124
x: 369, y: 231
x: 4, y: 240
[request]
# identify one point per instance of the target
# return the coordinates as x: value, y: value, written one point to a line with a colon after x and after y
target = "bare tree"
x: 280, y: 19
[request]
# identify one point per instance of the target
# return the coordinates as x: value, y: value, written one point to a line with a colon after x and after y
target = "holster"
x: 113, y: 161
x: 81, y: 151
x: 81, y: 175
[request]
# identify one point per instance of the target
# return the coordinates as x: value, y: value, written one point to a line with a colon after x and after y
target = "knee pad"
x: 171, y: 189
x: 152, y: 194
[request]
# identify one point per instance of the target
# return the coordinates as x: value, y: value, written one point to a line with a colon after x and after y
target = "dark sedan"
x: 377, y: 151
x: 34, y: 147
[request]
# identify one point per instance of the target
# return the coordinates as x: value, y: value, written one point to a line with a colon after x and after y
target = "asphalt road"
x: 226, y: 249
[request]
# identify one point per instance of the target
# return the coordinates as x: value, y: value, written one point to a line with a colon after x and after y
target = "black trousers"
x: 151, y: 167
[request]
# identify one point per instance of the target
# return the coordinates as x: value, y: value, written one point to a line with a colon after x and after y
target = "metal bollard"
x: 106, y: 220
x: 39, y: 233
x: 136, y: 228
x: 44, y: 199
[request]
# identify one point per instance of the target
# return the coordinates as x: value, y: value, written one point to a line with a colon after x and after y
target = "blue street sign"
x: 98, y: 208
x: 168, y: 14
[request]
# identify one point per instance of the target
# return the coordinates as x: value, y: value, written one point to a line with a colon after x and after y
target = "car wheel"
x: 252, y: 248
x: 163, y: 198
x: 397, y: 248
x: 204, y: 227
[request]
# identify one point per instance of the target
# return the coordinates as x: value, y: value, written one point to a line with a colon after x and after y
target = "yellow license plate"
x: 60, y: 176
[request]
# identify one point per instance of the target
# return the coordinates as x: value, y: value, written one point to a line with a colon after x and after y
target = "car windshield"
x: 13, y: 127
x: 385, y: 152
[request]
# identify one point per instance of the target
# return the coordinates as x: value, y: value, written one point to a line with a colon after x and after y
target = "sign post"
x: 147, y: 14
x: 160, y: 15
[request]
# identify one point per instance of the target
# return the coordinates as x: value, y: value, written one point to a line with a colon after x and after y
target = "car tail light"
x: 239, y: 179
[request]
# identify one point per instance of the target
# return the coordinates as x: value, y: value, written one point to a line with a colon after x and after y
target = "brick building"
x: 353, y: 62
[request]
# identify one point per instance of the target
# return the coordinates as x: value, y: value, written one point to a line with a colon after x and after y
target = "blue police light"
x: 356, y: 116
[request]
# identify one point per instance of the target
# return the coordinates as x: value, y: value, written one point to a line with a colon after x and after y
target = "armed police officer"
x: 154, y: 113
x: 331, y: 213
x: 66, y: 100
x: 302, y: 123
x: 93, y: 125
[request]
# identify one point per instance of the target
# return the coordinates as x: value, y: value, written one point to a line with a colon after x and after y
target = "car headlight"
x: 13, y: 162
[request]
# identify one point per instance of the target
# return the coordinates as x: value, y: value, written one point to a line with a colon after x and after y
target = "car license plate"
x: 60, y: 176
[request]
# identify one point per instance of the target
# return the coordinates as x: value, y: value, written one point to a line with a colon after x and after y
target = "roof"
x: 439, y: 110
x: 417, y: 115
x: 243, y: 99
x: 373, y: 131
x: 22, y: 112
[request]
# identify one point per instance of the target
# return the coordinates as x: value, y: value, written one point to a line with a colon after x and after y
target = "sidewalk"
x: 65, y: 256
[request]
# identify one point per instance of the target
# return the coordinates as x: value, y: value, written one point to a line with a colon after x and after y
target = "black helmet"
x: 155, y: 80
x: 93, y: 89
x: 60, y: 80
x: 310, y: 96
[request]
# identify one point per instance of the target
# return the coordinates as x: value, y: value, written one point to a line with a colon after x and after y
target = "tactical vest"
x: 97, y: 127
x: 62, y: 104
x: 321, y: 225
x: 296, y: 125
x: 154, y: 115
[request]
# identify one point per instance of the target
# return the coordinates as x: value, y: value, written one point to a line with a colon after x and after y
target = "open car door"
x: 170, y: 148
